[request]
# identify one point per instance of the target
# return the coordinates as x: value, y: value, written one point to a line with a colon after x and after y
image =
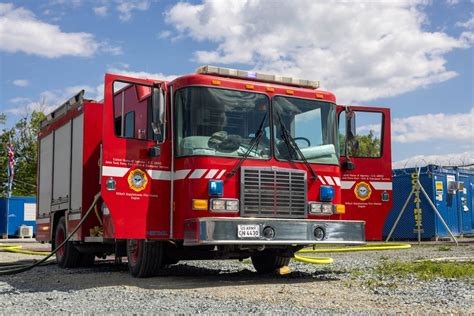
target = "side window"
x: 134, y: 113
x: 368, y: 136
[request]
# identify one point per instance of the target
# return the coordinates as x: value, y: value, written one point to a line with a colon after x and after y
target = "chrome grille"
x: 269, y: 192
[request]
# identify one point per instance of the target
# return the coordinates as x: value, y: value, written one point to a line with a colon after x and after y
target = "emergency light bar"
x: 251, y: 75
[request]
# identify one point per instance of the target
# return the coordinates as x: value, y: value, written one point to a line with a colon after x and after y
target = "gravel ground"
x: 234, y: 287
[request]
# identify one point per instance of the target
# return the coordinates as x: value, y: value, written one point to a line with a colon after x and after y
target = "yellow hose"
x: 313, y: 260
x: 327, y: 260
x: 17, y: 249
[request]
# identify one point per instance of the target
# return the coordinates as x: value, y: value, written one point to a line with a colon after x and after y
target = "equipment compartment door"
x: 135, y: 159
x: 367, y: 188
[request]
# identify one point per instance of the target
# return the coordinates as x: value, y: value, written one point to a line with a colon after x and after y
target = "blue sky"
x: 415, y: 57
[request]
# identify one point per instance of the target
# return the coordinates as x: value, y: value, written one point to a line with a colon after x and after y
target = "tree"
x: 362, y: 146
x: 368, y: 146
x: 24, y: 139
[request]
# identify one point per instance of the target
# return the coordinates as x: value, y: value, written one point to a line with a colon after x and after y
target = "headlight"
x: 232, y: 205
x: 314, y: 207
x: 217, y: 205
x: 225, y: 205
x: 326, y: 208
x: 318, y: 208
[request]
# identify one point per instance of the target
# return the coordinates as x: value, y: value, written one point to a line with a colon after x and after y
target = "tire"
x: 145, y: 258
x: 268, y: 262
x: 67, y: 256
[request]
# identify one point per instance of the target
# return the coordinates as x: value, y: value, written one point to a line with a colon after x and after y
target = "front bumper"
x: 223, y: 231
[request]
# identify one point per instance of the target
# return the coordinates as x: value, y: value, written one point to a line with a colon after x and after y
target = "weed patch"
x: 444, y: 248
x: 427, y: 270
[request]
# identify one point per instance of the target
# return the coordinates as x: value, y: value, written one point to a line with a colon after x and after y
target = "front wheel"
x: 268, y: 262
x: 145, y: 258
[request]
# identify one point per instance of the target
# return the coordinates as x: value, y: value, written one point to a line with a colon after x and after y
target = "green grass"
x: 444, y: 248
x: 427, y: 270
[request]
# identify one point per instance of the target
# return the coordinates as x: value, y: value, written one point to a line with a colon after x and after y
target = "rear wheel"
x: 268, y: 262
x: 145, y: 258
x: 67, y: 256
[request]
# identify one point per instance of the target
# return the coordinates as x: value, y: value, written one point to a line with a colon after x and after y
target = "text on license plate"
x: 248, y: 231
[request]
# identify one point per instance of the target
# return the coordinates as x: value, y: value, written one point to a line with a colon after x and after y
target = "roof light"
x: 235, y: 73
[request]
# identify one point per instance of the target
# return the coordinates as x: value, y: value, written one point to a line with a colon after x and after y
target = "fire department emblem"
x: 362, y: 191
x: 137, y: 180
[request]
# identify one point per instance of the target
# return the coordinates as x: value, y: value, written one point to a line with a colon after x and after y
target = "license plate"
x: 248, y: 231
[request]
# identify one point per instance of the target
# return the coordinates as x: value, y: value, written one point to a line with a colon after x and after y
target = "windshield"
x: 311, y: 124
x: 220, y: 122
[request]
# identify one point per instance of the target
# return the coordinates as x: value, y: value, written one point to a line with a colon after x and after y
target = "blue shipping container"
x: 17, y: 211
x: 449, y: 188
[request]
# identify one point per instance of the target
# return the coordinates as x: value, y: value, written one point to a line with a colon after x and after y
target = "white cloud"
x: 469, y: 24
x: 126, y: 7
x: 164, y: 34
x: 49, y: 100
x: 454, y: 159
x: 452, y: 2
x: 21, y: 31
x: 100, y: 11
x: 419, y: 128
x: 361, y: 51
x: 141, y: 74
x: 21, y: 82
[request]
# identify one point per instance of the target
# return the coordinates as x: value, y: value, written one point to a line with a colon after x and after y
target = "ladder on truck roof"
x: 72, y: 103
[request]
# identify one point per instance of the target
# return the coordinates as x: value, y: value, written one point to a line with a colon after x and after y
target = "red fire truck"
x: 221, y: 164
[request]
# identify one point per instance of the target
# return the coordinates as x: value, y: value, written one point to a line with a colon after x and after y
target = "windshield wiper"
x: 293, y: 146
x: 253, y: 143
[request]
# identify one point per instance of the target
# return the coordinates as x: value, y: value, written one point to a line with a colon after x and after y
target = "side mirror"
x: 158, y: 111
x: 154, y: 151
x: 348, y: 165
x: 350, y: 124
x: 350, y: 140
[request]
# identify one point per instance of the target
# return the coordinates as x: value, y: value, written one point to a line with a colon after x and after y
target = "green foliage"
x: 427, y: 270
x: 362, y: 146
x: 369, y: 146
x: 24, y: 139
x: 444, y: 248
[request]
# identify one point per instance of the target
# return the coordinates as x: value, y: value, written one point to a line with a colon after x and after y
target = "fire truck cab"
x: 221, y: 164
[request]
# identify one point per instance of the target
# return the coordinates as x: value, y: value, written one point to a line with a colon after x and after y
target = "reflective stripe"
x: 381, y: 185
x: 181, y: 174
x: 159, y: 175
x: 114, y: 171
x: 321, y: 179
x: 211, y: 173
x: 42, y: 220
x: 197, y: 174
x: 347, y: 184
x: 337, y: 180
x: 329, y: 180
x: 221, y: 174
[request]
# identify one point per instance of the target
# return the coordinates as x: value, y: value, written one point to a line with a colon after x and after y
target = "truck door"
x: 465, y: 207
x: 366, y: 166
x: 135, y: 160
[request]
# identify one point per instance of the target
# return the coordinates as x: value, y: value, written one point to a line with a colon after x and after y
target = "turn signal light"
x: 340, y: 209
x: 200, y: 205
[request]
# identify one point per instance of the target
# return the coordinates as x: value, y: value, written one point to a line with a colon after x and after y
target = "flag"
x: 11, y: 167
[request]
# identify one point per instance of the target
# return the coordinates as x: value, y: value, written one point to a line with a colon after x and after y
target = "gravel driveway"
x: 350, y: 285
